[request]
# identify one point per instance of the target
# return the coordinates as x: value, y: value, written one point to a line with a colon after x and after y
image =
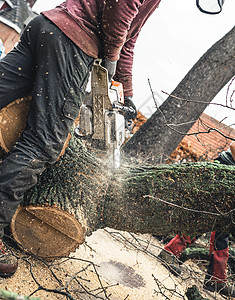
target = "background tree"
x: 161, y: 134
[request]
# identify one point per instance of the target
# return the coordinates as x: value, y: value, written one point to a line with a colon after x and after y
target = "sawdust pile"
x: 126, y: 268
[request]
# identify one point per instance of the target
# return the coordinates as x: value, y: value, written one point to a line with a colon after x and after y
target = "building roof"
x: 15, y: 13
x: 209, y: 139
x: 206, y: 139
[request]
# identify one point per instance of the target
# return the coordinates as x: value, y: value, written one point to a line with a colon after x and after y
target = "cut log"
x: 189, y: 198
x: 164, y: 199
x: 12, y: 123
x: 42, y: 230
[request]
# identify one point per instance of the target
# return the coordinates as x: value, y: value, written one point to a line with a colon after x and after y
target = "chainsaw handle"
x: 123, y: 108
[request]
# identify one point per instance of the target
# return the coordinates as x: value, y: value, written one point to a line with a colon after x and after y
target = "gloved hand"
x: 110, y: 66
x: 130, y: 113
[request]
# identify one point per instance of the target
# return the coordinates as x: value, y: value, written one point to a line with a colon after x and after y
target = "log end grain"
x: 12, y: 122
x: 45, y: 231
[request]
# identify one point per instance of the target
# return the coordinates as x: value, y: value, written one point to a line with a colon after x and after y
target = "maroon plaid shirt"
x: 105, y: 29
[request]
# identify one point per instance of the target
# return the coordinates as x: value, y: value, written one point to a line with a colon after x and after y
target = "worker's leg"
x: 61, y: 74
x: 220, y: 257
x: 173, y: 250
x: 178, y: 244
x: 216, y: 274
x: 17, y: 72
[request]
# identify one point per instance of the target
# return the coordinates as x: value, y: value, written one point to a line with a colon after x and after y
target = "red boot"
x: 216, y: 278
x: 178, y: 244
x: 220, y: 260
x: 172, y: 251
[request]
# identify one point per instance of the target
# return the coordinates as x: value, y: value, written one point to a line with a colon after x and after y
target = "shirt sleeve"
x: 116, y: 22
x: 125, y: 62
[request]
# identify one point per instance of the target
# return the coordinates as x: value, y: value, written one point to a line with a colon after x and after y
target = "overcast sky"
x: 170, y: 43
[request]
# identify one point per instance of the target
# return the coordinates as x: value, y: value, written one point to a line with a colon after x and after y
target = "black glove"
x: 110, y: 66
x: 131, y: 111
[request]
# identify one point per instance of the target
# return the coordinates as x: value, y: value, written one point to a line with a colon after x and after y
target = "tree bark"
x: 165, y: 199
x: 161, y: 134
x: 189, y: 198
x: 193, y: 293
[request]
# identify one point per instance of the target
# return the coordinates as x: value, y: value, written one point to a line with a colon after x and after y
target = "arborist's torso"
x: 102, y: 28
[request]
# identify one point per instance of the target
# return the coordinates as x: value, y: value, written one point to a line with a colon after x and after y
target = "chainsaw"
x: 101, y: 118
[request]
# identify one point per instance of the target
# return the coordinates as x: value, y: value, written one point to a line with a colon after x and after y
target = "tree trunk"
x: 161, y: 134
x: 166, y: 199
x: 80, y: 194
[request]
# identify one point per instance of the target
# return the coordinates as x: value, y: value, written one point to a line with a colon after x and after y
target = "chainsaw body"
x: 101, y: 117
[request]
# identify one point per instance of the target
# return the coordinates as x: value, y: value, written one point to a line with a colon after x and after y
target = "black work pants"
x: 49, y: 65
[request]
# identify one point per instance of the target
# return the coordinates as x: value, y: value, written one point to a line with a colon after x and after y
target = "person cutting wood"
x: 52, y: 62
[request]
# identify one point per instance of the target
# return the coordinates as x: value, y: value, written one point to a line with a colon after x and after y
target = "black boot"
x: 8, y: 262
x: 222, y: 288
x: 171, y: 262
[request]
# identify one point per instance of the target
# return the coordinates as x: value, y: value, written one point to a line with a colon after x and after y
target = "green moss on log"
x: 193, y: 293
x: 8, y: 295
x: 76, y: 183
x: 164, y: 199
x: 189, y: 198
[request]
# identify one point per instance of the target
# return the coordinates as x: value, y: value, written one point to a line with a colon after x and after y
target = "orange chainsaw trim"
x: 119, y: 88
